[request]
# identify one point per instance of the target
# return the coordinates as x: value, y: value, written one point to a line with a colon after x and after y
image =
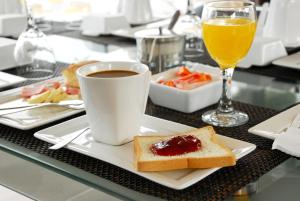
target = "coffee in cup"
x: 112, y: 73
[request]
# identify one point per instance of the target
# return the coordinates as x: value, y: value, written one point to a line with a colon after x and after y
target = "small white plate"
x: 273, y: 126
x: 7, y: 79
x: 290, y: 61
x: 123, y: 156
x: 31, y: 118
x: 129, y: 33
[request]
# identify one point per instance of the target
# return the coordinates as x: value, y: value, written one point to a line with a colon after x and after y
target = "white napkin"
x: 11, y: 6
x: 289, y: 142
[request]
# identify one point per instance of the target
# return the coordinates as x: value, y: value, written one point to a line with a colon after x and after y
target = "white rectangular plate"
x: 272, y: 127
x: 7, y: 79
x: 123, y: 156
x: 290, y: 61
x: 31, y: 118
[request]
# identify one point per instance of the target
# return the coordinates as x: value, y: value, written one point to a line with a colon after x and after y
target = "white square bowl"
x: 7, y: 47
x: 187, y: 101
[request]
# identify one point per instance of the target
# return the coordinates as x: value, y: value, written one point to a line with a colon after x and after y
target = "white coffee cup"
x: 114, y: 106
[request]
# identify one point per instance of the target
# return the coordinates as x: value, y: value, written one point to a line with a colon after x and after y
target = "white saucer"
x: 290, y: 61
x: 7, y: 79
x: 123, y: 156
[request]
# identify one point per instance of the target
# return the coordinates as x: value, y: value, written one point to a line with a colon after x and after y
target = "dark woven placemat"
x: 215, y: 187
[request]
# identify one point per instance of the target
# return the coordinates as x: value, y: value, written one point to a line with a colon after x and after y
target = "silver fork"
x: 72, y: 104
x: 69, y: 139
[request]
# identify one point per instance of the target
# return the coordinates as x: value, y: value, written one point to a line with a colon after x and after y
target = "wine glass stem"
x: 30, y: 21
x: 225, y: 103
x: 190, y: 7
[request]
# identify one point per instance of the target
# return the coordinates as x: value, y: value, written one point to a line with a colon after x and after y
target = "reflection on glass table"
x: 70, y: 50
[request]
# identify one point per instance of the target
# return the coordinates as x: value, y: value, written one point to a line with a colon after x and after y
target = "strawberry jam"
x: 176, y: 146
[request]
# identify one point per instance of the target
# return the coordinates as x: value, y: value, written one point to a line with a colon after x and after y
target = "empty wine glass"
x: 32, y: 52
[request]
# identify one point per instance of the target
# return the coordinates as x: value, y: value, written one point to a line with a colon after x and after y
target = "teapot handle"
x: 262, y: 19
x: 152, y: 50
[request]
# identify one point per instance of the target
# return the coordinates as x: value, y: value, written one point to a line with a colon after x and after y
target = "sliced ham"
x: 29, y: 91
x: 72, y: 90
x: 56, y: 85
x: 186, y: 79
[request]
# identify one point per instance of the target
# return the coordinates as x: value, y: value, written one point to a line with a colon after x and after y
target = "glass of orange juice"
x: 228, y: 30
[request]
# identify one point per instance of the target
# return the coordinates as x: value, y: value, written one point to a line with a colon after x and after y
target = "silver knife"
x: 69, y: 139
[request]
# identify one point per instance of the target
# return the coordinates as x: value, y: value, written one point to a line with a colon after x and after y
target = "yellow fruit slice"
x: 59, y: 97
x: 53, y: 94
x: 40, y: 98
x: 72, y: 97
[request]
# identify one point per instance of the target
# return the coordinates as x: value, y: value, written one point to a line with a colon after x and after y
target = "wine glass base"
x: 235, y: 118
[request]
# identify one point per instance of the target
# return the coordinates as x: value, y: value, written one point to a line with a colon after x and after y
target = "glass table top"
x: 249, y: 88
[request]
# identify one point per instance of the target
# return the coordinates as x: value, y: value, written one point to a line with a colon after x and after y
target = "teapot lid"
x: 155, y: 33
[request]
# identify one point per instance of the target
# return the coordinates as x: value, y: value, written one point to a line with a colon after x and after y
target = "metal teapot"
x: 160, y: 50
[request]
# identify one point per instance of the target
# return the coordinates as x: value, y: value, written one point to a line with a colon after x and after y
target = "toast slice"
x: 212, y: 153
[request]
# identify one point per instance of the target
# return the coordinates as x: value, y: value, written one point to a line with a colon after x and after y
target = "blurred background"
x: 70, y: 10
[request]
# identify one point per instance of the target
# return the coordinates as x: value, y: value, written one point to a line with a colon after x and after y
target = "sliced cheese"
x: 40, y: 98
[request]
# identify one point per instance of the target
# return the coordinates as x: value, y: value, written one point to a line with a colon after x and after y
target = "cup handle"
x: 147, y: 87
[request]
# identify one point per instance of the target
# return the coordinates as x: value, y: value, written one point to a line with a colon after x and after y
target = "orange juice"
x: 228, y: 40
